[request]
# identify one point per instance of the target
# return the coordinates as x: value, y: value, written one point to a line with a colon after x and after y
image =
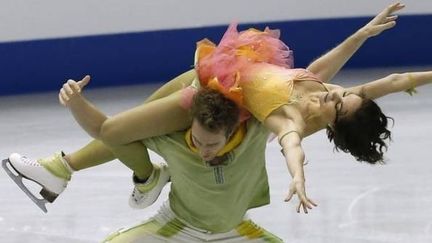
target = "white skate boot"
x: 145, y: 194
x: 33, y: 170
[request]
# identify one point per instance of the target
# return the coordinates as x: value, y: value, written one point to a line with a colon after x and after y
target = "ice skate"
x: 145, y: 194
x: 19, y: 167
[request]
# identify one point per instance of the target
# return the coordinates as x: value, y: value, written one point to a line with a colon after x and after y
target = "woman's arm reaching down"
x: 289, y: 137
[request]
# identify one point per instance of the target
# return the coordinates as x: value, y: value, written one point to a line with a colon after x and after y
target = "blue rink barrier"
x: 157, y: 56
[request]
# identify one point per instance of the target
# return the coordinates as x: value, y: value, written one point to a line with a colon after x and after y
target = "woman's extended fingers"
x: 72, y: 89
x: 391, y: 18
x: 74, y: 86
x: 290, y: 195
x: 67, y: 88
x: 312, y: 202
x: 380, y: 23
x: 298, y: 207
x: 64, y: 95
x: 299, y: 189
x: 306, y: 204
x: 305, y: 208
x: 393, y: 8
x: 301, y: 205
x: 396, y: 7
x: 62, y: 102
x: 83, y: 82
x: 387, y: 13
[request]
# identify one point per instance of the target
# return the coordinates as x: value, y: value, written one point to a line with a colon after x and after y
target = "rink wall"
x: 36, y: 59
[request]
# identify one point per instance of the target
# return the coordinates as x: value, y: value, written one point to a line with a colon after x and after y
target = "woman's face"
x: 339, y: 104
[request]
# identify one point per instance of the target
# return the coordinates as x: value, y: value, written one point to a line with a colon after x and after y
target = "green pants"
x: 166, y: 227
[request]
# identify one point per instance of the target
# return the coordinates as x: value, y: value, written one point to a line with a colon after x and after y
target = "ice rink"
x: 358, y: 203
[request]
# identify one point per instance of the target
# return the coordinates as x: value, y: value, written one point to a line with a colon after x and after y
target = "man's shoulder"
x: 253, y: 122
x: 255, y: 126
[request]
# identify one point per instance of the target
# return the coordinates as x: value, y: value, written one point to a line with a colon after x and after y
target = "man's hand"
x: 71, y: 90
x: 383, y: 21
x: 298, y: 187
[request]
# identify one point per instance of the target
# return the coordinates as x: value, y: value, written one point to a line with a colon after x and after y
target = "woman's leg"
x: 133, y: 155
x: 54, y: 172
x: 162, y: 116
x: 92, y: 154
x: 156, y: 118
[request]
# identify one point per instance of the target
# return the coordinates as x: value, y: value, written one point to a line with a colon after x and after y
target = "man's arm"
x: 392, y: 83
x: 329, y: 64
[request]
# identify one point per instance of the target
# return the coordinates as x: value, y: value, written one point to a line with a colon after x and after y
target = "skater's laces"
x: 30, y: 162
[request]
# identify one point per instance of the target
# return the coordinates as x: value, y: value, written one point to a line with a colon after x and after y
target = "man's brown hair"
x: 214, y: 111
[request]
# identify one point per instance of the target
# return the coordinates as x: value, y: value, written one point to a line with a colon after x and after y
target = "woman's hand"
x: 326, y: 67
x: 71, y: 90
x: 383, y: 21
x: 298, y: 187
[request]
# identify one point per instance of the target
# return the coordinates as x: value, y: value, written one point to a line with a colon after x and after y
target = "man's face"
x: 207, y: 143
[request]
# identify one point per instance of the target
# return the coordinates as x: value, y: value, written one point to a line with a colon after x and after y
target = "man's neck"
x: 219, y: 160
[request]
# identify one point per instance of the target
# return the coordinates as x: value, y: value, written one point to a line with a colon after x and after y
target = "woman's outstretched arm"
x: 330, y: 63
x: 392, y: 83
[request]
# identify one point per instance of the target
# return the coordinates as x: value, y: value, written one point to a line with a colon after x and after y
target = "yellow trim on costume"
x: 249, y: 230
x: 171, y: 228
x: 234, y: 141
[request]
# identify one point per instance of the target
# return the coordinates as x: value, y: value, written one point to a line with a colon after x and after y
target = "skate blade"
x: 18, y: 180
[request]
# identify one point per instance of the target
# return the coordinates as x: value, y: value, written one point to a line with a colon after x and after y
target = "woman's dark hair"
x: 214, y: 111
x: 363, y: 134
